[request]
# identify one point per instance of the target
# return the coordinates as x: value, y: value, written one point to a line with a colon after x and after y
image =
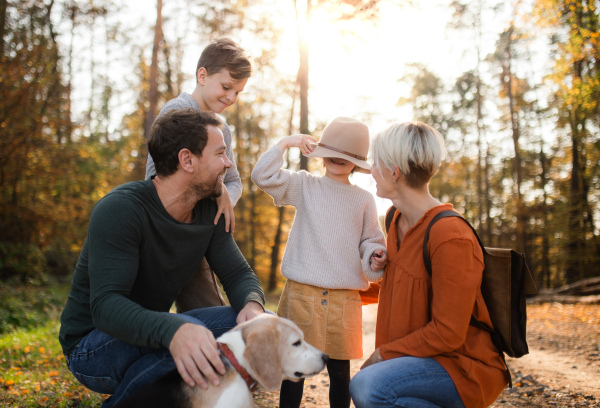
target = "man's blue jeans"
x: 109, y: 366
x: 404, y: 382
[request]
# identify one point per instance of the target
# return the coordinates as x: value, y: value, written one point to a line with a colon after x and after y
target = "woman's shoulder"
x: 451, y: 229
x: 450, y: 226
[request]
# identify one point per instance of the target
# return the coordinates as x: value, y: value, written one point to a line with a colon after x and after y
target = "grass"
x: 32, y: 366
x: 33, y: 372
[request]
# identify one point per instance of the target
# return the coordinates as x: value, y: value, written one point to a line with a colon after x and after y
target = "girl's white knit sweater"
x: 335, y: 226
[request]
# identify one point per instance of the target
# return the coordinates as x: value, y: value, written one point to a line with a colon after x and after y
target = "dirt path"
x: 562, y: 369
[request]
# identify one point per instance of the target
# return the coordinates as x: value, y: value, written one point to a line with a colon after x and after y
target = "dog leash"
x: 250, y: 382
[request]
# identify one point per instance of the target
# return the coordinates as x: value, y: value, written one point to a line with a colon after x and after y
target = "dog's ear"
x: 263, y: 355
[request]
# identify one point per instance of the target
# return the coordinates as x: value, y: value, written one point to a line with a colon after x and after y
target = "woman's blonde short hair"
x: 415, y: 147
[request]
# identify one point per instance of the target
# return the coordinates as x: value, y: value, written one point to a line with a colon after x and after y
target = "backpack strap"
x: 443, y: 214
x: 495, y: 336
x: 389, y: 216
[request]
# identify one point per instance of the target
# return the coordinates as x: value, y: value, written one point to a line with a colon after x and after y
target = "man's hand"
x: 378, y: 260
x: 194, y: 349
x: 375, y: 358
x: 224, y: 207
x: 249, y: 312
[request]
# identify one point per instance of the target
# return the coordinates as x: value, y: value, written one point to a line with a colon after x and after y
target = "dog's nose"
x: 325, y: 358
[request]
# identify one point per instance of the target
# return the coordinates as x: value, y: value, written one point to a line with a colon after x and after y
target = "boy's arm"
x: 150, y: 169
x: 232, y: 180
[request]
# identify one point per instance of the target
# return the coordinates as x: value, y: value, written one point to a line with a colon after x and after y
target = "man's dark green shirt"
x: 135, y: 260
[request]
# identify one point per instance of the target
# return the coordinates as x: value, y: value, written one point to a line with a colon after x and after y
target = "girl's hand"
x: 304, y: 142
x: 378, y: 260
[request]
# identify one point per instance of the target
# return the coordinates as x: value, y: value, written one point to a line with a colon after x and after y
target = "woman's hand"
x: 304, y: 142
x: 378, y: 260
x: 225, y: 207
x: 375, y: 358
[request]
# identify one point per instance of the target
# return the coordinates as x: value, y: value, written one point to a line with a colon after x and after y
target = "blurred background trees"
x: 79, y: 87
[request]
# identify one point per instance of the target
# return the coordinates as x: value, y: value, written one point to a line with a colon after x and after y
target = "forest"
x: 81, y: 81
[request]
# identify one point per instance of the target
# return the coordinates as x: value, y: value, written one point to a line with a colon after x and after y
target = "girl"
x: 335, y: 227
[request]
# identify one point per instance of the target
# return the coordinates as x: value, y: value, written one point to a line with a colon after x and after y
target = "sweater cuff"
x: 173, y: 327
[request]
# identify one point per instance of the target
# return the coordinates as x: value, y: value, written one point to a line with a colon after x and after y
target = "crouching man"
x: 145, y: 240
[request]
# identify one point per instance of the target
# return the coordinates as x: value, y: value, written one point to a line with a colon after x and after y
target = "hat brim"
x: 320, y: 151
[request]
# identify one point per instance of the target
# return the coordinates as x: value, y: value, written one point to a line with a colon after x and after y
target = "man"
x: 145, y: 240
x: 222, y: 72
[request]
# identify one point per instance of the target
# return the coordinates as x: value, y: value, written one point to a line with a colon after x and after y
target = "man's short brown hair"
x: 225, y: 53
x: 175, y: 130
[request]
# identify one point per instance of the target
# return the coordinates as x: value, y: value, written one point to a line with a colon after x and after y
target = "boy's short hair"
x: 225, y: 53
x: 175, y: 130
x: 415, y: 147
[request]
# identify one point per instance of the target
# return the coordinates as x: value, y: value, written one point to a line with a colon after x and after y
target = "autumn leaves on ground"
x: 33, y: 372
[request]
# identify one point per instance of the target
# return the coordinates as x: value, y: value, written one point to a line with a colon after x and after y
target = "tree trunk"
x: 69, y: 129
x: 574, y: 236
x: 153, y: 84
x: 3, y: 8
x: 516, y: 134
x: 303, y: 80
x: 275, y: 251
x: 545, y: 210
x: 479, y: 160
x: 169, y: 71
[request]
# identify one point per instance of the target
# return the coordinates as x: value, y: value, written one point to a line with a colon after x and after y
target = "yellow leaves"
x: 560, y: 317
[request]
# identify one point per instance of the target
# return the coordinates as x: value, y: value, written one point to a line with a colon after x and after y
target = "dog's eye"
x: 297, y: 344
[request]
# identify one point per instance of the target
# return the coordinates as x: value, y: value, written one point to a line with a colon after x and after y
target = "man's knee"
x: 360, y: 389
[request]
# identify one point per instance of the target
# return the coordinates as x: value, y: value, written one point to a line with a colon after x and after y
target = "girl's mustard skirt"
x: 331, y: 319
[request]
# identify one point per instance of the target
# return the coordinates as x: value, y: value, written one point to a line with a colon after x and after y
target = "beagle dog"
x: 265, y: 350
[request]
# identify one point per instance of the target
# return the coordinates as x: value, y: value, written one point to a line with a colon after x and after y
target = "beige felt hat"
x: 345, y: 138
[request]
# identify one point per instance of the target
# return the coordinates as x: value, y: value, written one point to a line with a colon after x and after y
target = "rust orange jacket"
x: 423, y: 317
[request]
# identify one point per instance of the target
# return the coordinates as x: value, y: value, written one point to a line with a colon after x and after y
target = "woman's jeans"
x: 404, y: 382
x: 109, y: 366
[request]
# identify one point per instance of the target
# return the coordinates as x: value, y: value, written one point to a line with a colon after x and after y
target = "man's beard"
x: 202, y: 191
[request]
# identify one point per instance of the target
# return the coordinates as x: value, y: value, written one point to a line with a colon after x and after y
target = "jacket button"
x: 323, y: 302
x: 325, y: 293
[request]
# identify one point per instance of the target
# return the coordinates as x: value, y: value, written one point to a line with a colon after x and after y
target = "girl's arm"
x: 283, y: 185
x: 372, y: 246
x: 304, y: 142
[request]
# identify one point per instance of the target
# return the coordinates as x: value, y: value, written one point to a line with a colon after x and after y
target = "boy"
x: 221, y: 74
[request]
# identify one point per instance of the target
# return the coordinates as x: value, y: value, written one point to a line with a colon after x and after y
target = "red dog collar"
x: 250, y: 382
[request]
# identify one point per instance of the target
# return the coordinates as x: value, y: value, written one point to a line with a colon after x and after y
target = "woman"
x: 427, y: 354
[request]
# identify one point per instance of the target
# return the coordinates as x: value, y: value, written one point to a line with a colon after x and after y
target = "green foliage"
x: 22, y: 261
x: 26, y: 307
